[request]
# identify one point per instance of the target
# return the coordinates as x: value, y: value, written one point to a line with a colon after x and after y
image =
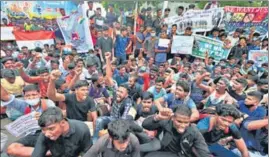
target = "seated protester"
x: 180, y: 138
x: 73, y: 74
x: 79, y: 105
x: 122, y: 77
x: 218, y: 94
x: 118, y: 142
x: 81, y: 65
x: 60, y: 136
x: 121, y: 105
x: 42, y: 79
x: 252, y: 80
x: 149, y: 78
x: 37, y: 61
x: 18, y: 107
x: 197, y: 94
x: 179, y: 98
x: 148, y: 141
x: 253, y: 121
x: 263, y: 88
x: 158, y: 91
x: 91, y: 67
x: 237, y: 89
x: 99, y: 93
x: 32, y: 102
x: 220, y: 126
x: 134, y: 89
x: 61, y: 87
x: 8, y: 62
x: 13, y: 84
x: 92, y: 58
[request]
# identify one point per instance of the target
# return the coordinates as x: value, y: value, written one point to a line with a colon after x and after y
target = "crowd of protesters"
x: 140, y: 99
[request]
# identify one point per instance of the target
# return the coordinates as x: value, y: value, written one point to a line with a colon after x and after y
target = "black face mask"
x: 249, y: 106
x: 264, y: 90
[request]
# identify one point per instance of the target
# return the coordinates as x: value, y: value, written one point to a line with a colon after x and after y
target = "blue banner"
x: 75, y: 30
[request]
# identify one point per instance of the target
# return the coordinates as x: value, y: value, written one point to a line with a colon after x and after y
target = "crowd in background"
x: 137, y: 98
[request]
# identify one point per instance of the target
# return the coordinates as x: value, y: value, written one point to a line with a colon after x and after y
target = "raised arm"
x: 109, y: 73
x: 78, y: 71
x: 199, y: 80
x: 24, y: 76
x: 52, y: 94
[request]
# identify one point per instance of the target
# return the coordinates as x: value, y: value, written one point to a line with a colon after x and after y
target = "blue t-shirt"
x: 173, y: 103
x: 141, y: 37
x: 156, y: 94
x: 120, y: 45
x: 160, y: 57
x: 249, y: 136
x: 121, y: 79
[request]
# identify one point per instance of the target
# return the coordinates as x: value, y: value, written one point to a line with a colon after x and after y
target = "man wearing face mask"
x: 149, y: 44
x: 32, y: 102
x: 179, y: 136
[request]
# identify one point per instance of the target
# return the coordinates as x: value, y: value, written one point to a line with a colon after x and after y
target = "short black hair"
x: 184, y: 85
x: 71, y: 66
x: 119, y: 130
x: 181, y: 7
x: 59, y: 83
x: 167, y: 9
x: 147, y: 95
x: 50, y: 116
x: 30, y: 87
x: 174, y: 25
x: 262, y: 82
x: 227, y: 110
x: 159, y: 79
x: 55, y: 61
x: 94, y: 78
x: 183, y: 110
x: 81, y: 83
x: 242, y: 81
x: 38, y: 49
x: 256, y: 94
x: 42, y: 70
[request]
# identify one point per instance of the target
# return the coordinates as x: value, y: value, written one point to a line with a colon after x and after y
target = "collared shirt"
x: 120, y: 45
x: 76, y: 141
x: 105, y: 147
x: 120, y: 110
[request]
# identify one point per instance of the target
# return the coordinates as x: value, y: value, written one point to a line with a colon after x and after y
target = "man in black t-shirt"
x: 78, y: 104
x: 238, y: 88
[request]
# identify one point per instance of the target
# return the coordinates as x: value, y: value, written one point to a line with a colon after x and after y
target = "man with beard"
x: 237, y: 89
x: 60, y: 136
x: 79, y: 105
x: 149, y: 78
x: 158, y: 91
x: 121, y: 104
x: 263, y: 88
x: 15, y: 108
x: 219, y: 126
x: 42, y: 79
x: 179, y: 136
x: 135, y: 89
x: 254, y: 120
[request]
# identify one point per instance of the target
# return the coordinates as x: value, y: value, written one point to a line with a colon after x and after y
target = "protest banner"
x: 246, y: 17
x: 258, y: 56
x: 199, y: 20
x: 75, y: 30
x: 213, y: 47
x: 23, y: 125
x: 6, y: 33
x: 182, y: 44
x: 164, y: 42
x: 34, y: 39
x: 37, y: 9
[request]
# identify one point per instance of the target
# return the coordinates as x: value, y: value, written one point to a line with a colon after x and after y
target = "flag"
x: 34, y: 39
x: 75, y: 31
